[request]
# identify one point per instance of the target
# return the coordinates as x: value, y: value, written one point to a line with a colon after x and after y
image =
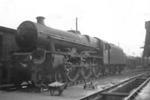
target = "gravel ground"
x: 71, y: 93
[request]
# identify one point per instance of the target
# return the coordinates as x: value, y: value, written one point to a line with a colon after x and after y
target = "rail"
x: 134, y: 93
x: 108, y: 94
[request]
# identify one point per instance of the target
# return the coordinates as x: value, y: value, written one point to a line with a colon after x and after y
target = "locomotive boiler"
x: 55, y: 55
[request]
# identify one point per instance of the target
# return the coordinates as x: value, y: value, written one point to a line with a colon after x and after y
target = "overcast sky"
x: 117, y: 21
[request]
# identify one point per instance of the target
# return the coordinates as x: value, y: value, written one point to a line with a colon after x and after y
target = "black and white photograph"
x: 75, y: 50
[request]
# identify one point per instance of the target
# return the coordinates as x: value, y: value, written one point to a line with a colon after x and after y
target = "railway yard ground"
x: 75, y: 92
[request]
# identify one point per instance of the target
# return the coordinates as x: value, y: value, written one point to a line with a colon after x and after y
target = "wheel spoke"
x: 97, y: 72
x: 86, y: 72
x: 73, y: 73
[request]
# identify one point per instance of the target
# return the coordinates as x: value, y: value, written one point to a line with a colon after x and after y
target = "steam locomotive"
x: 55, y: 55
x: 45, y: 54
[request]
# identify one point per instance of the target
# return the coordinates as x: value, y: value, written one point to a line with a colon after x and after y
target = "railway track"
x: 127, y: 89
x: 134, y: 95
x: 13, y: 87
x: 116, y: 87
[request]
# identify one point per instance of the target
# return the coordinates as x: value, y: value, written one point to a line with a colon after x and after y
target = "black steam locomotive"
x: 45, y: 54
x: 55, y: 55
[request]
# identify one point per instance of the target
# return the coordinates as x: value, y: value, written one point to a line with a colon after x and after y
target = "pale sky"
x: 117, y: 21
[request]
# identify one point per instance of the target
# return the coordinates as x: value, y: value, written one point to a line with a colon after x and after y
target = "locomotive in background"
x: 10, y: 70
x: 40, y: 54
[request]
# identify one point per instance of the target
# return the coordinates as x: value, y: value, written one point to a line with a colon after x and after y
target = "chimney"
x: 146, y: 52
x: 40, y: 20
x: 147, y: 26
